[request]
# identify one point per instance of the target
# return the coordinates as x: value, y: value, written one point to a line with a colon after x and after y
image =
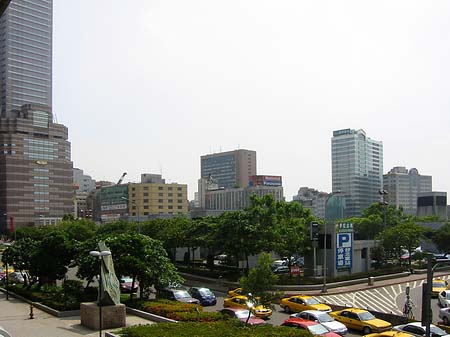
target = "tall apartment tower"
x: 35, y: 168
x: 357, y: 169
x: 229, y: 169
x: 404, y: 186
x: 26, y: 55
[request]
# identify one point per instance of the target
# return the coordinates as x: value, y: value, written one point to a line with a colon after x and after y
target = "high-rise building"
x: 26, y: 55
x: 357, y: 169
x: 229, y: 169
x: 313, y: 200
x: 432, y: 204
x: 404, y: 186
x: 36, y: 177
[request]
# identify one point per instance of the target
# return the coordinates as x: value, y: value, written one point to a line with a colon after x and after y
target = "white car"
x: 444, y: 314
x: 4, y: 333
x: 417, y: 329
x: 444, y: 298
x: 323, y: 318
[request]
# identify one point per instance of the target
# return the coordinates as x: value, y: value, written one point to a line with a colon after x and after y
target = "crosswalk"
x: 384, y: 299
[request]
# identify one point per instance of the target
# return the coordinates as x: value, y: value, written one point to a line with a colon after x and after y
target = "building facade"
x: 357, y: 169
x: 313, y: 200
x: 35, y: 168
x: 147, y: 200
x: 229, y: 169
x: 26, y: 55
x: 403, y: 187
x: 432, y: 204
x: 82, y: 182
x: 238, y: 198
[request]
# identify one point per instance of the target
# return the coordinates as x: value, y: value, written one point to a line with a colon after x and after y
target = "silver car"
x: 444, y: 314
x: 417, y: 329
x: 444, y: 298
x: 323, y: 318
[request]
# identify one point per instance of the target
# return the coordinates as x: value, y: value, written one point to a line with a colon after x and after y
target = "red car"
x: 243, y: 315
x: 315, y: 328
x: 126, y: 283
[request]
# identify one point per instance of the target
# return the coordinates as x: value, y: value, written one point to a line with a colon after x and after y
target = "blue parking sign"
x: 344, y: 250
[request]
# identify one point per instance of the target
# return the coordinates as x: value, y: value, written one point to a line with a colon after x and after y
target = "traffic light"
x: 314, y: 231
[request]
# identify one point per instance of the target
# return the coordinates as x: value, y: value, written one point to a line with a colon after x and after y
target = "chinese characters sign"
x: 344, y: 250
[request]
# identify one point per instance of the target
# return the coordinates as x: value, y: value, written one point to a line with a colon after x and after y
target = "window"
x: 170, y: 201
x: 146, y: 194
x: 160, y: 194
x: 170, y: 207
x: 146, y: 207
x: 179, y: 195
x: 160, y: 207
x: 146, y: 200
x: 180, y: 201
x: 160, y: 188
x: 160, y: 200
x: 133, y: 189
x: 170, y: 194
x: 180, y: 207
x: 145, y: 213
x: 133, y: 195
x: 170, y: 188
x: 145, y: 187
x: 179, y: 188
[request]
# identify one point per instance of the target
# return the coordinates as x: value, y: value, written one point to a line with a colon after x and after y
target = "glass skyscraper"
x: 357, y: 169
x: 26, y: 55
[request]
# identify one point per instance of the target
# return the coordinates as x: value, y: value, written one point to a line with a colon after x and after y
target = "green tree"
x: 260, y: 280
x: 404, y: 236
x: 442, y: 238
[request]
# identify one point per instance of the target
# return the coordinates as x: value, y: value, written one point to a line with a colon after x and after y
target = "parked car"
x: 417, y: 329
x: 314, y: 328
x: 126, y: 284
x: 444, y: 298
x: 360, y: 319
x: 4, y: 333
x: 279, y: 263
x: 242, y: 302
x: 444, y: 314
x: 281, y: 270
x: 323, y: 318
x: 243, y: 315
x: 439, y: 285
x: 302, y: 302
x: 204, y: 295
x: 15, y: 277
x: 390, y: 333
x: 180, y: 295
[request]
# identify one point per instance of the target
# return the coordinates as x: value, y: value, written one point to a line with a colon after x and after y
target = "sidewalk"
x: 14, y: 317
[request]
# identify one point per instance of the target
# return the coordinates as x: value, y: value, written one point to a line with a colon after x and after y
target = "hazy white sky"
x: 151, y: 85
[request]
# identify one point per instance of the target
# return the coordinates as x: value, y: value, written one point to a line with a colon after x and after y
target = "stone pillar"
x: 113, y: 316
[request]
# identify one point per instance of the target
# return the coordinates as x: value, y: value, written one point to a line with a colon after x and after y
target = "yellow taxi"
x: 236, y: 292
x: 302, y: 302
x: 439, y: 285
x: 257, y: 309
x: 390, y: 333
x: 360, y: 319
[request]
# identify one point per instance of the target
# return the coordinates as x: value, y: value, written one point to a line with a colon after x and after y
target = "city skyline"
x: 175, y: 81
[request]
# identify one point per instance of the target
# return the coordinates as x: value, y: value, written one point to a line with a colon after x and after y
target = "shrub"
x: 230, y: 328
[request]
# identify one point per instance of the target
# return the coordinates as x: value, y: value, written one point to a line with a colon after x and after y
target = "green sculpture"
x: 110, y: 294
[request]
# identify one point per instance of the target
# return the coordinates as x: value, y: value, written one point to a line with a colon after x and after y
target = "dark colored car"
x: 180, y: 295
x: 126, y: 284
x: 204, y: 295
x: 281, y: 270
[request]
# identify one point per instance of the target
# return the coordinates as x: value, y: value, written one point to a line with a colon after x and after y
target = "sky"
x: 148, y: 86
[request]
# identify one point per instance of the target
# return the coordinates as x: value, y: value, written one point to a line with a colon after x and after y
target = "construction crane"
x: 121, y: 178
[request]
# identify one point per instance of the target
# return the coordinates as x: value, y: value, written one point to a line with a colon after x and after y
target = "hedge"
x: 223, y: 329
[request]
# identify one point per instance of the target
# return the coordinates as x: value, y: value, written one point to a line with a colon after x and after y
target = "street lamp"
x: 135, y: 204
x: 7, y: 244
x: 384, y: 194
x: 100, y: 254
x: 332, y: 194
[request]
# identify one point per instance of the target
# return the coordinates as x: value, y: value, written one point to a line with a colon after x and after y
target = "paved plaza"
x: 15, y: 318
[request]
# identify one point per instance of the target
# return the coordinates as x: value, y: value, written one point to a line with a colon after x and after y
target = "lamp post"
x: 324, y: 286
x: 7, y: 244
x: 100, y: 254
x: 138, y: 218
x: 384, y: 194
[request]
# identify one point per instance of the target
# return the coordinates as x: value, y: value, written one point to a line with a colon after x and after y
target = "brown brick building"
x: 35, y: 168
